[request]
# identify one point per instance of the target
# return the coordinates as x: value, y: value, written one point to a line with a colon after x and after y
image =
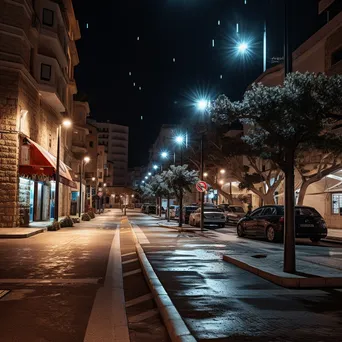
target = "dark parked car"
x: 151, y: 209
x: 268, y: 222
x: 144, y: 207
x: 233, y: 212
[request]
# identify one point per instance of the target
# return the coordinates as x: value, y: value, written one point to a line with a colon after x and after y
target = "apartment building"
x: 37, y: 59
x: 114, y: 138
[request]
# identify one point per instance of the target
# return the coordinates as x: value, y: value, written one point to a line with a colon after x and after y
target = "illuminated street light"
x: 67, y: 123
x: 221, y: 182
x: 202, y: 104
x: 149, y: 173
x: 242, y: 47
x: 142, y: 181
x: 155, y: 167
x: 146, y: 177
x: 222, y: 171
x: 179, y: 139
x: 105, y: 184
x: 86, y: 159
x: 205, y: 174
x: 164, y: 154
x: 93, y: 179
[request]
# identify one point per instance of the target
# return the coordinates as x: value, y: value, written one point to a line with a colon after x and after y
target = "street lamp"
x: 242, y: 47
x: 202, y: 105
x: 85, y: 161
x: 222, y: 171
x: 65, y: 123
x: 104, y: 184
x: 179, y: 139
x: 150, y: 174
x: 146, y: 177
x: 164, y: 154
x: 155, y: 167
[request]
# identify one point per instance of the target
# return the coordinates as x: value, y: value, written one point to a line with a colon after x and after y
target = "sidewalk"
x: 334, y: 234
x: 33, y: 228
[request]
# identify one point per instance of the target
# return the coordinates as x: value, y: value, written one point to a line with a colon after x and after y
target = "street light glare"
x: 86, y: 159
x: 242, y: 47
x: 179, y: 139
x: 149, y: 173
x: 202, y: 104
x: 66, y: 123
x: 155, y: 167
x: 146, y: 177
x: 164, y: 154
x: 222, y: 171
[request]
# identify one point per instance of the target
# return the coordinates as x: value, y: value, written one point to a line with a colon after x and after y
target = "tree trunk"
x: 268, y: 198
x: 180, y: 223
x: 302, y: 192
x: 168, y: 208
x: 289, y: 225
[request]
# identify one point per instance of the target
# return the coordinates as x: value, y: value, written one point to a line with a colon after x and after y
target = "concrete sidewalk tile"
x: 121, y: 333
x: 164, y: 300
x: 159, y: 290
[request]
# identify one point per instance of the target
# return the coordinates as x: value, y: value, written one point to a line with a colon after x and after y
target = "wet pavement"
x: 220, y: 302
x: 75, y: 259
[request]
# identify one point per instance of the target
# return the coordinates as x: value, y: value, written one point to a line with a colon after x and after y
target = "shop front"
x: 37, y: 185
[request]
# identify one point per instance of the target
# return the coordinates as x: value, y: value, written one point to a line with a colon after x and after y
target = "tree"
x: 180, y: 180
x: 279, y: 120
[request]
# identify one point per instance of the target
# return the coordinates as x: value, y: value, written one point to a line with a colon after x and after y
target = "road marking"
x: 108, y: 321
x: 139, y: 300
x: 51, y: 281
x: 129, y: 261
x: 143, y: 316
x: 140, y: 235
x: 126, y: 274
x: 127, y: 254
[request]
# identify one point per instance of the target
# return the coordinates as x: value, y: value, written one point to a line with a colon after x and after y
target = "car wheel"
x: 222, y: 225
x: 240, y: 231
x: 315, y: 239
x: 270, y: 234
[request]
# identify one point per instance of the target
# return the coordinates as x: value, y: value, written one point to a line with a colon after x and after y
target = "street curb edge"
x: 177, y: 329
x: 309, y: 283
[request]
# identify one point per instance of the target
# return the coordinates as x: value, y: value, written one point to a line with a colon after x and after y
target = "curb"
x: 22, y: 236
x: 177, y: 329
x: 291, y: 283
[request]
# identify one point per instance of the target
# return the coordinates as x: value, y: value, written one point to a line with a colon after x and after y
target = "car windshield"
x: 305, y: 211
x: 191, y: 208
x: 237, y: 209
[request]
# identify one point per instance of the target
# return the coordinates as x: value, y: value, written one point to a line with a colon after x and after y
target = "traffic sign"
x: 201, y: 186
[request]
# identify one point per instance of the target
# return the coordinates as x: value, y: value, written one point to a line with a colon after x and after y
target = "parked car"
x: 173, y: 209
x: 151, y: 209
x: 211, y: 216
x: 187, y: 210
x: 268, y: 222
x: 144, y: 207
x: 233, y: 212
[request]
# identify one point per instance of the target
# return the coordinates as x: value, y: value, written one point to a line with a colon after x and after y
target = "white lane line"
x: 108, y: 320
x: 129, y: 261
x: 125, y: 232
x: 143, y: 316
x: 126, y: 274
x: 141, y: 236
x: 51, y: 281
x: 127, y: 254
x: 139, y: 300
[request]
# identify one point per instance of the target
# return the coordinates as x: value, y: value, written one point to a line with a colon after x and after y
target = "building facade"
x: 114, y: 138
x: 37, y: 59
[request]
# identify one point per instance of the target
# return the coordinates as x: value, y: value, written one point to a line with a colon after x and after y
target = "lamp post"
x: 82, y: 166
x: 180, y: 141
x: 202, y: 105
x: 66, y: 123
x: 164, y: 155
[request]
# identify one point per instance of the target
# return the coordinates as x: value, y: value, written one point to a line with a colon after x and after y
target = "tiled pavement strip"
x: 221, y: 302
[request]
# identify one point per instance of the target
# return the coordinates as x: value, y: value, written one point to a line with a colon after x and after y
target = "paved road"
x: 36, y: 311
x: 221, y: 302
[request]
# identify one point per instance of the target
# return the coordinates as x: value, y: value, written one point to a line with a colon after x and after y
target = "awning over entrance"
x: 42, y: 162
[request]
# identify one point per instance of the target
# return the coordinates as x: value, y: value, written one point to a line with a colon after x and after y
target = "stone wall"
x: 24, y: 201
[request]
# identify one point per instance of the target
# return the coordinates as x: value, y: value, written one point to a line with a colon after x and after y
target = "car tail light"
x: 281, y: 220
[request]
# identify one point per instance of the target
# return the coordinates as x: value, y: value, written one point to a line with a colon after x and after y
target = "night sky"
x: 166, y: 45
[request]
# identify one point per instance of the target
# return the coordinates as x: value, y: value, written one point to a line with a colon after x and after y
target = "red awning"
x: 43, y: 162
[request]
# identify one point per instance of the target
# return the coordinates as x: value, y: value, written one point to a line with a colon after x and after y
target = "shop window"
x: 48, y: 17
x: 336, y: 203
x: 45, y: 72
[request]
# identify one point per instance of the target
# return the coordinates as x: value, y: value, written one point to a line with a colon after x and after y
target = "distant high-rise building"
x: 114, y: 138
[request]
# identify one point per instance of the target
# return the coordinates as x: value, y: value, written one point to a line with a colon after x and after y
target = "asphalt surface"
x: 71, y: 263
x: 220, y: 302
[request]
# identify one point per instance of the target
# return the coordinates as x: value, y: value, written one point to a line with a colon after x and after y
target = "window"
x: 48, y: 17
x: 336, y: 56
x: 45, y: 72
x: 269, y: 212
x: 336, y: 203
x: 256, y: 212
x: 91, y: 144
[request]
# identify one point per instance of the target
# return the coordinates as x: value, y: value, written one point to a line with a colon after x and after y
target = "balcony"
x: 79, y: 147
x: 51, y: 83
